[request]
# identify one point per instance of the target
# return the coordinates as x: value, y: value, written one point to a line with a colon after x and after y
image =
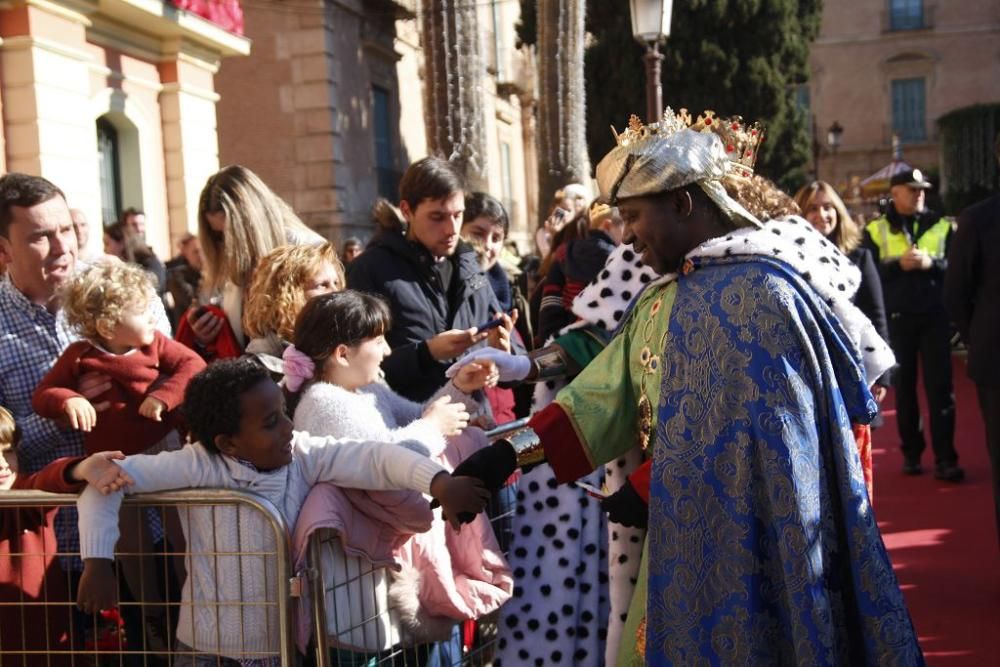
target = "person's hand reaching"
x: 511, y: 367
x: 461, y: 498
x: 450, y: 418
x: 482, y: 373
x: 100, y: 471
x: 490, y: 465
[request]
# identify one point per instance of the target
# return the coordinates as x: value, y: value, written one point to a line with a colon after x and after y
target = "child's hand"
x: 458, y: 496
x: 81, y: 413
x: 482, y: 373
x: 152, y: 408
x: 512, y: 367
x: 450, y: 418
x: 100, y: 471
x: 96, y: 590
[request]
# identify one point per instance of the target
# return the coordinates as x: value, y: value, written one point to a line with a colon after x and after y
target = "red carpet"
x: 942, y: 538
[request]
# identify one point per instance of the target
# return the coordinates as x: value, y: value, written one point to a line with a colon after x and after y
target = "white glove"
x: 512, y: 367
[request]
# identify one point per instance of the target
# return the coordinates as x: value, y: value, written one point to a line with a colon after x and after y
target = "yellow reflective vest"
x: 892, y: 244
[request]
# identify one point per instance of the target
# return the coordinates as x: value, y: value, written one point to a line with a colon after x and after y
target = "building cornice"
x: 909, y: 36
x: 23, y: 42
x: 194, y: 91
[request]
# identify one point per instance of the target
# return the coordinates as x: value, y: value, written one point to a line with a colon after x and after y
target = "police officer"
x: 910, y: 243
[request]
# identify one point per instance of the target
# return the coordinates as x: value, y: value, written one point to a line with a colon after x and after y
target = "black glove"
x: 492, y: 465
x: 626, y: 507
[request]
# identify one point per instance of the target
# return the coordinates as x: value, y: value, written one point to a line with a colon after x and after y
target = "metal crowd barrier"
x: 236, y: 539
x: 39, y: 624
x: 353, y: 625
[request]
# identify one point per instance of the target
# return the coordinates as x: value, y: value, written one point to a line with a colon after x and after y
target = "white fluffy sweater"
x: 374, y: 412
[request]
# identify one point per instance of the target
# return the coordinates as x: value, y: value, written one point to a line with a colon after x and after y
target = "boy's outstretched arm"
x: 387, y: 466
x: 188, y: 467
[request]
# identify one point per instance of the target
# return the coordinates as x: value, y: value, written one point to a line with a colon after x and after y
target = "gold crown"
x: 742, y: 142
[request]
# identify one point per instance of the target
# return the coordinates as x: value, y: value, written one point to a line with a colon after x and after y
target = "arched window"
x: 109, y: 168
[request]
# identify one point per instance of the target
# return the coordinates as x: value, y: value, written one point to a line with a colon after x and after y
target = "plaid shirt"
x: 31, y: 339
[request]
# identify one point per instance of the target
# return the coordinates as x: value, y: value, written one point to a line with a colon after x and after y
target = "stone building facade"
x: 115, y: 102
x: 329, y: 107
x: 895, y: 67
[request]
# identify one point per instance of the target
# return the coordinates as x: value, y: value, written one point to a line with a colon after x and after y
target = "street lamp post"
x: 651, y: 26
x: 815, y: 147
x: 833, y: 136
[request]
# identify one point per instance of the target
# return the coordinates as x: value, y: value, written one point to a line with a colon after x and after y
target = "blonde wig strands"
x: 760, y: 196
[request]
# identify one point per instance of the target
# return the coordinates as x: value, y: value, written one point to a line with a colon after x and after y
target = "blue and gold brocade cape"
x: 763, y: 545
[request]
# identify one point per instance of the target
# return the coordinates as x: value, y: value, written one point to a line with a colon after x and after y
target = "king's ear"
x: 682, y: 202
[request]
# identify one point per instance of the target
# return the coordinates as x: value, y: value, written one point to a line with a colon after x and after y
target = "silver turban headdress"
x: 675, y: 152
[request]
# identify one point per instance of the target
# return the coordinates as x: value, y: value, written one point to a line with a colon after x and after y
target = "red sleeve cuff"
x: 564, y: 450
x: 639, y: 479
x: 52, y: 478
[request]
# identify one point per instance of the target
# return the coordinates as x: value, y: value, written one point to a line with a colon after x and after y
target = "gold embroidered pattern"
x: 741, y: 496
x: 649, y: 371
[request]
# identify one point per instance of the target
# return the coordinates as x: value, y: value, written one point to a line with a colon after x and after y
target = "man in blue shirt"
x: 38, y: 247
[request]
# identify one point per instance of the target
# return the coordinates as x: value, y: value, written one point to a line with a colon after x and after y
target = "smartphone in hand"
x: 492, y: 324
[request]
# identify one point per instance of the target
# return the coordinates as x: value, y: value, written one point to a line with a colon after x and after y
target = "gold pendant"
x: 645, y: 422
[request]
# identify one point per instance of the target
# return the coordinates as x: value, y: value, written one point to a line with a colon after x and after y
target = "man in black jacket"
x: 971, y: 289
x: 911, y: 243
x: 438, y: 294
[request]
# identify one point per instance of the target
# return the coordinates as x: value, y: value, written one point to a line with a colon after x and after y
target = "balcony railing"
x: 227, y: 14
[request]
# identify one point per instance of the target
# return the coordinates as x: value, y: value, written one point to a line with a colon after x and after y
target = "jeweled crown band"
x: 742, y: 142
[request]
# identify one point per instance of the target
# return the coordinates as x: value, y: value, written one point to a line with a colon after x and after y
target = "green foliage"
x: 732, y: 56
x: 969, y: 147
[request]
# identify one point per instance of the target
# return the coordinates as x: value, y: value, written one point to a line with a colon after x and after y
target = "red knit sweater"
x: 161, y: 370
